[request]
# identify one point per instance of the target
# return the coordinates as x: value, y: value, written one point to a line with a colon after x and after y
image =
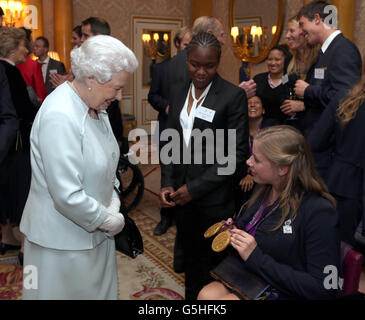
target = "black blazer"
x: 26, y: 111
x: 8, y: 117
x: 342, y: 69
x: 178, y: 74
x: 206, y: 187
x: 53, y: 65
x: 346, y: 172
x: 158, y: 96
x: 293, y: 263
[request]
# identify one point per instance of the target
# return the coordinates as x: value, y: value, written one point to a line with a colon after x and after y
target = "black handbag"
x: 234, y: 275
x: 129, y: 240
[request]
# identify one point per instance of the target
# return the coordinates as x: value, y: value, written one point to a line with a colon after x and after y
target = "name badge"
x: 205, y: 114
x: 319, y: 73
x: 285, y: 79
x: 53, y: 71
x: 287, y: 228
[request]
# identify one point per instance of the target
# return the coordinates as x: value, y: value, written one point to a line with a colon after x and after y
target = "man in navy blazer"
x: 338, y: 68
x: 8, y: 117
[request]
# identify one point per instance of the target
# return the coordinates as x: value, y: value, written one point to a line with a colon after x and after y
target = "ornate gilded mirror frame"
x: 242, y: 54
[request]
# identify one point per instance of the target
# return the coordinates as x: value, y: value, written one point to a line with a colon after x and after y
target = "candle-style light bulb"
x: 234, y: 33
x: 274, y: 29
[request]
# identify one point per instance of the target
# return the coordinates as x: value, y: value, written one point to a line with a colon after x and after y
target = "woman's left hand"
x: 181, y: 196
x: 243, y: 242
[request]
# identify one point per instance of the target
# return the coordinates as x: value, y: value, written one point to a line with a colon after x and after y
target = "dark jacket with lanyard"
x: 293, y: 258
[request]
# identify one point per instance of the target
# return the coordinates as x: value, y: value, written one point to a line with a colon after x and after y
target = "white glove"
x: 114, y: 205
x: 113, y: 223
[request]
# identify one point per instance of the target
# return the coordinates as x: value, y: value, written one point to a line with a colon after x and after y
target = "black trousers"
x: 192, y: 221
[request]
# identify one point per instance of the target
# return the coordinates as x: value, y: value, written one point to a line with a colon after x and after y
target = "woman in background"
x: 76, y: 37
x: 16, y: 167
x: 303, y: 58
x: 271, y: 87
x: 256, y: 122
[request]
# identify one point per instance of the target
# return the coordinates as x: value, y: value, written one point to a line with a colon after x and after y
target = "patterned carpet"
x: 148, y: 277
x: 11, y: 277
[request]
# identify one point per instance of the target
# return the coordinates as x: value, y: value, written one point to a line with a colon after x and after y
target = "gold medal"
x: 213, y: 230
x: 221, y: 241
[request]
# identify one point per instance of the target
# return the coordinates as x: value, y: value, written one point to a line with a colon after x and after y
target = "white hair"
x: 101, y: 57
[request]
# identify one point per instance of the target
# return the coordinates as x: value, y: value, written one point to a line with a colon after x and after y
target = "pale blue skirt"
x: 50, y: 274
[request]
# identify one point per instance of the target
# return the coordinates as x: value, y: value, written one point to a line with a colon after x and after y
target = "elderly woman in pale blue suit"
x: 72, y: 211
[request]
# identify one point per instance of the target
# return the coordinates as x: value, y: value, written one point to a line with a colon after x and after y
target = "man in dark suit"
x: 8, y: 117
x: 49, y: 65
x: 158, y: 97
x: 338, y: 68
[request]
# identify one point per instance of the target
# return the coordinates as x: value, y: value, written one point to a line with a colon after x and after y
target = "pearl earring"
x: 89, y: 89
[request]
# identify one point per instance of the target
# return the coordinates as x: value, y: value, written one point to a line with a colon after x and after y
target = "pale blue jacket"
x: 74, y: 160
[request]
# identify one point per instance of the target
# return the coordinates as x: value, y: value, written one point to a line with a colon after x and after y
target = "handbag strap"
x: 123, y: 208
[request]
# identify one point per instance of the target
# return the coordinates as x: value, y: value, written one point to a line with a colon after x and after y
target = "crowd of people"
x: 292, y: 136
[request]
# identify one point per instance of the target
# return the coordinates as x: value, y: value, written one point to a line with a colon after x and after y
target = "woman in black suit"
x: 200, y: 183
x: 346, y: 174
x: 16, y: 166
x: 8, y: 119
x: 272, y: 86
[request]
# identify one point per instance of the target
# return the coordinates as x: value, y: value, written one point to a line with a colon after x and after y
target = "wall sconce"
x: 156, y: 44
x: 252, y: 42
x: 13, y: 12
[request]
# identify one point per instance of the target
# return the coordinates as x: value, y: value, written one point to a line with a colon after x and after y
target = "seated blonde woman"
x: 288, y: 233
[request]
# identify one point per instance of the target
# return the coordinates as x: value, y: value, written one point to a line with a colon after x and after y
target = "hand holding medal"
x: 243, y: 242
x: 223, y: 238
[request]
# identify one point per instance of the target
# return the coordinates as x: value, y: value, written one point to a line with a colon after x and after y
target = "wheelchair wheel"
x: 131, y: 183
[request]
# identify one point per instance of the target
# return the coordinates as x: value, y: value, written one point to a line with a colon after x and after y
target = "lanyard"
x: 254, y: 223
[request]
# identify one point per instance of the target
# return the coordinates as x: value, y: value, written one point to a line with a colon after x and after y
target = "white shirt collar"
x: 329, y: 40
x: 8, y: 61
x: 45, y: 60
x: 187, y: 120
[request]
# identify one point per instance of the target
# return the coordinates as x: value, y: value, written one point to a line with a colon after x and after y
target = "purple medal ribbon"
x: 253, y: 224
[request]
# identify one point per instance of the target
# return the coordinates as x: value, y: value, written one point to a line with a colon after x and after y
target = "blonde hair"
x: 310, y: 55
x: 353, y: 101
x: 286, y: 146
x: 10, y: 40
